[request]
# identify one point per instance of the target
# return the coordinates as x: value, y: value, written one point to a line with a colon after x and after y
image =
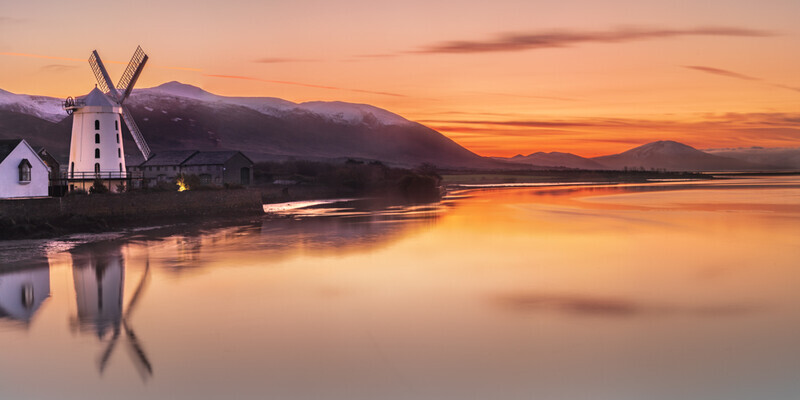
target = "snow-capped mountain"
x: 46, y: 108
x: 672, y: 156
x: 176, y: 116
x: 336, y: 111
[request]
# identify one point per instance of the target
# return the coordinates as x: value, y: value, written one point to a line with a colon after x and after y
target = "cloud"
x: 613, y: 307
x: 28, y: 55
x: 524, y: 96
x: 735, y: 75
x: 279, y: 60
x: 10, y: 20
x: 302, y: 84
x: 721, y: 72
x: 565, y: 38
x: 58, y: 67
x: 514, y: 123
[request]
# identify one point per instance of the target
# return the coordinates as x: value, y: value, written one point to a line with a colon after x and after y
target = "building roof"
x: 211, y: 157
x: 98, y: 99
x: 7, y: 146
x: 168, y: 158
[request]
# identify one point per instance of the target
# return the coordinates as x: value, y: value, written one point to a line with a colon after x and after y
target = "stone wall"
x: 135, y: 205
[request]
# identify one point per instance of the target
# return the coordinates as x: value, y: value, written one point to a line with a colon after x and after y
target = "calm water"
x: 662, y: 291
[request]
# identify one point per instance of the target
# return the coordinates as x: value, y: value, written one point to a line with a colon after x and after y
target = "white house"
x: 22, y: 172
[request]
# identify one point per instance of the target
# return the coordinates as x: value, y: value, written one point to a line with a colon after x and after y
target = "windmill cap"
x: 97, y: 98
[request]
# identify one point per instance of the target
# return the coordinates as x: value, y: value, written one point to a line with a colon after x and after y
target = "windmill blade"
x: 107, y: 353
x: 131, y: 74
x: 136, y: 133
x: 138, y: 292
x: 103, y: 80
x: 141, y: 357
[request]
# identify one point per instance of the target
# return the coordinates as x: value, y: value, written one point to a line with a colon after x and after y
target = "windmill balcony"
x: 73, y: 104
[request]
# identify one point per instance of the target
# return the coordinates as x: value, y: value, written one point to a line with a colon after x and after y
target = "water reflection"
x: 99, y: 277
x: 623, y: 292
x: 22, y: 294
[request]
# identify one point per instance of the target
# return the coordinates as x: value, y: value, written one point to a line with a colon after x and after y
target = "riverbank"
x: 50, y: 217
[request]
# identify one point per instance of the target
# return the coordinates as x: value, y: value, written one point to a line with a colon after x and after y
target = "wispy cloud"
x: 566, y: 38
x: 735, y: 75
x: 309, y: 85
x: 589, y: 135
x: 27, y: 55
x: 525, y: 96
x: 10, y: 20
x: 721, y: 72
x: 280, y: 60
x: 58, y: 67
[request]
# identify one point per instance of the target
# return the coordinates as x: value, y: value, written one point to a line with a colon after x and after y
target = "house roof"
x: 168, y: 158
x: 7, y: 146
x: 210, y: 157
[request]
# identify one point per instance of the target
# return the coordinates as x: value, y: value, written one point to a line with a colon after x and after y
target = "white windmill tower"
x: 96, y: 150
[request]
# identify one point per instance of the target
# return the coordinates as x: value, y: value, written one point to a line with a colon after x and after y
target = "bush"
x: 98, y: 187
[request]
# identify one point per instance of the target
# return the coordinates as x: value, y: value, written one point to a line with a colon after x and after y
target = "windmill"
x: 99, y: 279
x: 95, y: 147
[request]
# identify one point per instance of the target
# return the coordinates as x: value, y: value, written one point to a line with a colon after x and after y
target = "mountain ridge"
x: 176, y: 116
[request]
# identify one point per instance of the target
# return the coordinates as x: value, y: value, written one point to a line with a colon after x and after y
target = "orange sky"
x: 500, y: 78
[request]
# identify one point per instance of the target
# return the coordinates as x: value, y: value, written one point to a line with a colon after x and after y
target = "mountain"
x: 46, y: 108
x: 673, y: 156
x: 554, y: 159
x: 175, y: 116
x: 780, y: 158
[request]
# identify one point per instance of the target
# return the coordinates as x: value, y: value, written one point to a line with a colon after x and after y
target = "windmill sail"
x: 131, y: 74
x: 103, y: 80
x: 136, y: 133
x: 123, y: 89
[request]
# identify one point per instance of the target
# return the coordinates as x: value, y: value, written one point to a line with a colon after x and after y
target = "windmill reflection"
x: 22, y: 293
x: 99, y: 277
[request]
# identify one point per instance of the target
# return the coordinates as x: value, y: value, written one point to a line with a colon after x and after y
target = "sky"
x: 500, y: 78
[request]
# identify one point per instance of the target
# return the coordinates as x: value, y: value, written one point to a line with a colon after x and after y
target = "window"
x: 97, y: 124
x: 120, y: 167
x: 24, y: 170
x: 96, y: 168
x: 72, y: 170
x: 205, y: 179
x: 116, y: 126
x: 97, y: 138
x: 119, y: 153
x: 96, y: 153
x: 118, y: 138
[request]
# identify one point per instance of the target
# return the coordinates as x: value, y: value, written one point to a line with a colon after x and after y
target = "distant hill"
x: 555, y: 160
x: 779, y: 158
x: 672, y: 156
x: 176, y: 116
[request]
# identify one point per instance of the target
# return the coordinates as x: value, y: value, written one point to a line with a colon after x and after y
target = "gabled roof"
x: 212, y: 157
x: 7, y: 146
x: 168, y: 158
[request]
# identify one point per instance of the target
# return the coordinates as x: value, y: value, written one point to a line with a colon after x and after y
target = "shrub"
x: 98, y: 187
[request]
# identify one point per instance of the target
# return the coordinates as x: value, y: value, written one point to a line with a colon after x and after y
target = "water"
x: 673, y: 290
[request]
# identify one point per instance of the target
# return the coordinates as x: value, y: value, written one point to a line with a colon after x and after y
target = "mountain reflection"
x: 22, y: 293
x: 98, y: 273
x: 339, y: 229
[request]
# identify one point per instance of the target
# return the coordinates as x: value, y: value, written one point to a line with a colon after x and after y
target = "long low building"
x: 212, y: 167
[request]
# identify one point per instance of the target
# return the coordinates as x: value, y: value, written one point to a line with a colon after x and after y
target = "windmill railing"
x: 73, y: 103
x: 99, y: 175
